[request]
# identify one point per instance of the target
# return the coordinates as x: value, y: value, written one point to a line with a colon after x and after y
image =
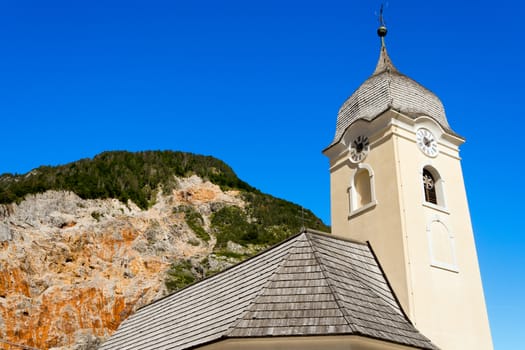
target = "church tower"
x: 396, y: 182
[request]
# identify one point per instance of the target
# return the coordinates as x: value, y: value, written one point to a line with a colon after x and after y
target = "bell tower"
x: 396, y: 181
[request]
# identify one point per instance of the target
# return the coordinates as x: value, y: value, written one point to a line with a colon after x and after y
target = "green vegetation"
x: 229, y: 254
x: 180, y: 275
x: 231, y: 224
x: 137, y: 177
x: 194, y: 221
x: 96, y: 215
x: 122, y: 175
x: 184, y: 272
x: 266, y: 220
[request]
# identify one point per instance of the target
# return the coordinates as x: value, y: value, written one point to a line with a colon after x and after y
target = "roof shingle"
x: 311, y: 284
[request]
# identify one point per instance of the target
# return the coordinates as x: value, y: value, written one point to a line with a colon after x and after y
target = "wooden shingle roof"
x: 386, y: 89
x: 309, y: 285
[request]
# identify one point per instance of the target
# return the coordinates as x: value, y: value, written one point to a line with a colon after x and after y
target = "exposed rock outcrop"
x: 71, y: 270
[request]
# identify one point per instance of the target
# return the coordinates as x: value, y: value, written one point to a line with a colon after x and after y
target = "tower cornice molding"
x: 392, y: 122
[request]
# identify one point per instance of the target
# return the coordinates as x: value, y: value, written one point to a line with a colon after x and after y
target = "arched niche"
x: 362, y: 190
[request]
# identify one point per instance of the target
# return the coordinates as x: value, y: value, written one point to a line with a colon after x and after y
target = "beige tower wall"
x: 380, y: 224
x: 427, y: 251
x: 448, y: 302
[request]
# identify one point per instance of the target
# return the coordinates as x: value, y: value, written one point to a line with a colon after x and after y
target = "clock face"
x: 359, y: 148
x: 426, y: 142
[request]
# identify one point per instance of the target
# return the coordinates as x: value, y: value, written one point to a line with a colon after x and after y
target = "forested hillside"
x: 121, y: 175
x: 83, y: 245
x: 139, y: 176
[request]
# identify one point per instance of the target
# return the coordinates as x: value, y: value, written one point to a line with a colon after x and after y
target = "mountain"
x: 83, y: 245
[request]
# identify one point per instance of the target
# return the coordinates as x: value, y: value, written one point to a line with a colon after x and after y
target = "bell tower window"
x: 429, y: 185
x: 433, y: 189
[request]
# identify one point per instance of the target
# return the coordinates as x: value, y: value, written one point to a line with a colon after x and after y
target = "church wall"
x: 447, y: 296
x: 426, y: 250
x: 380, y: 224
x: 304, y: 343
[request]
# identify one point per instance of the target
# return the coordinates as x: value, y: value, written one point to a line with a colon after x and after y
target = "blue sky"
x: 258, y: 85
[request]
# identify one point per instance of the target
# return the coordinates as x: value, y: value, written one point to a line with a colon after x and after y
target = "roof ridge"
x: 269, y: 280
x: 396, y: 299
x: 358, y: 278
x: 253, y: 257
x: 348, y: 318
x: 367, y: 286
x: 294, y: 289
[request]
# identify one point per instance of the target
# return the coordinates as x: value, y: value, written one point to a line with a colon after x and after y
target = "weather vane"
x: 381, y: 19
x: 381, y: 31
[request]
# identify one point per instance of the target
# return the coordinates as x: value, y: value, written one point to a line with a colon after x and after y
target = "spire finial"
x: 381, y: 31
x: 384, y: 63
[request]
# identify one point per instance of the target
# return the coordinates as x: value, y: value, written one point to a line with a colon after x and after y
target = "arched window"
x: 429, y: 186
x: 361, y: 191
x: 433, y: 188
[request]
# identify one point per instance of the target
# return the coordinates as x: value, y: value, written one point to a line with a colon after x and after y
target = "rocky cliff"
x: 72, y: 269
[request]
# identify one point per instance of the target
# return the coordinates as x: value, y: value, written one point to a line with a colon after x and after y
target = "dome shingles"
x: 387, y: 88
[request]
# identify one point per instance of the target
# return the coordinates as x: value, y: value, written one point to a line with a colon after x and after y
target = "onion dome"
x: 386, y: 89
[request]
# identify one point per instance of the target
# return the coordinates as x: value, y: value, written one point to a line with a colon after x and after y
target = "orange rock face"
x: 72, y: 270
x: 13, y: 280
x: 92, y: 283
